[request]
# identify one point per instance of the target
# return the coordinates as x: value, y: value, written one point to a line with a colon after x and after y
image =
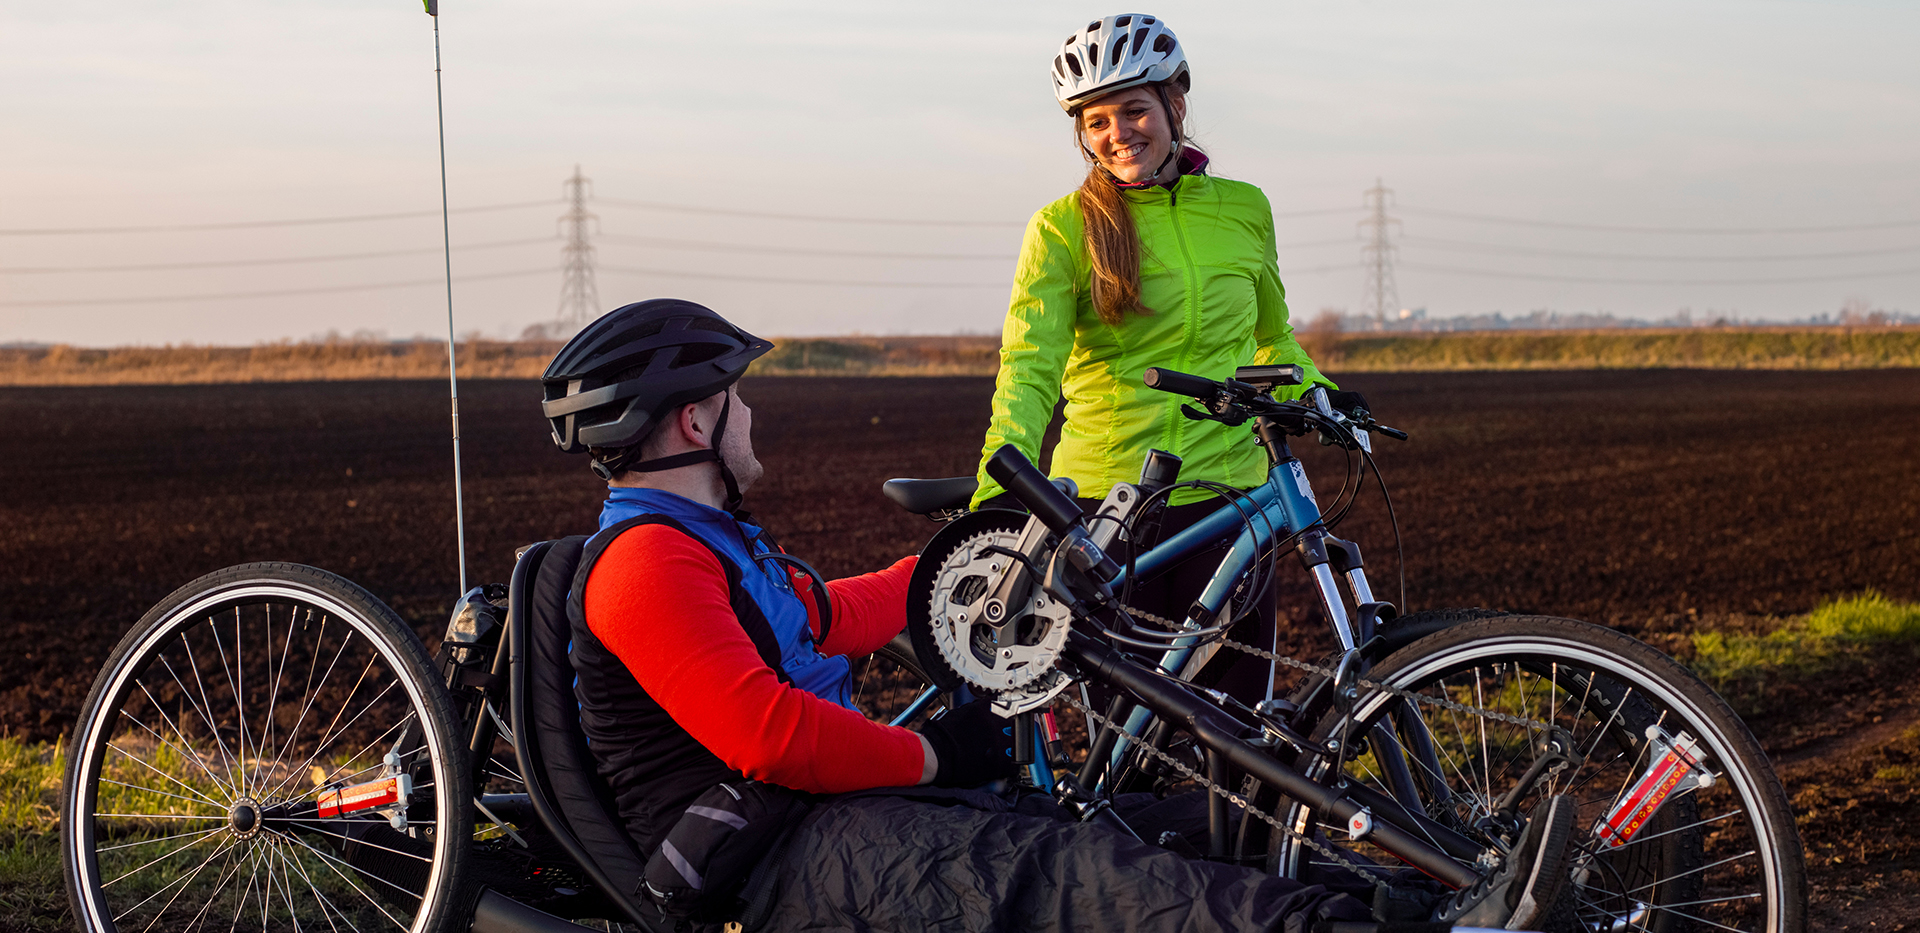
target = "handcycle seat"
x: 923, y: 496
x: 563, y: 784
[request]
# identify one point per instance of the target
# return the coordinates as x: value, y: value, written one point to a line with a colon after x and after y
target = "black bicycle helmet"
x: 608, y: 387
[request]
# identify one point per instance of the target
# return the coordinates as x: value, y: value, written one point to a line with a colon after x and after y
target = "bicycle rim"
x: 267, y: 749
x: 1724, y: 856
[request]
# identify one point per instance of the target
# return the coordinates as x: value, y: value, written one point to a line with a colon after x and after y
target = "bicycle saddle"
x: 921, y: 496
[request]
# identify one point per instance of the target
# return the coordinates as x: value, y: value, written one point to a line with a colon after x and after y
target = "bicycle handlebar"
x: 1179, y: 383
x: 1222, y: 399
x: 1012, y: 470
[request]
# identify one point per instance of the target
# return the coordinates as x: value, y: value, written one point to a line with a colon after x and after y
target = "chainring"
x: 1015, y: 664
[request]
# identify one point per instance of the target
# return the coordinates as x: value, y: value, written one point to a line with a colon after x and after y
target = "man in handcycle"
x: 714, y: 684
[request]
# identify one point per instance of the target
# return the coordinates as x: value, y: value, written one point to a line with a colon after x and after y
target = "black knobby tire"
x: 203, y: 750
x: 1725, y: 856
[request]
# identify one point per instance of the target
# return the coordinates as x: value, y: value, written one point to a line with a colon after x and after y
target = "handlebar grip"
x: 1012, y: 470
x: 1179, y: 383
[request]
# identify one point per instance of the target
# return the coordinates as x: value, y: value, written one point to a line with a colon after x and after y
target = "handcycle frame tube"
x: 1221, y: 733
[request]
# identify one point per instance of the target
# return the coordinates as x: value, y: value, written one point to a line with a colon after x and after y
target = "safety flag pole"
x: 446, y: 239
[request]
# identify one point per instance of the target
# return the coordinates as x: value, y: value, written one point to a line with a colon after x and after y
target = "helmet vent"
x: 1139, y: 39
x: 1163, y: 43
x: 1119, y: 49
x: 1073, y: 63
x: 1122, y: 22
x: 1093, y: 26
x: 1093, y: 56
x: 1147, y: 21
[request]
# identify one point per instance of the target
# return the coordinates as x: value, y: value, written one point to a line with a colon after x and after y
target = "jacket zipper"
x: 1188, y: 311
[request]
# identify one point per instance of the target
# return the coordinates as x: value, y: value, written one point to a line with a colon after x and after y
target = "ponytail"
x: 1113, y: 247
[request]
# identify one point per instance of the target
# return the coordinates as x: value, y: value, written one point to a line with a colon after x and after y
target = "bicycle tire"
x: 1725, y: 856
x: 201, y: 757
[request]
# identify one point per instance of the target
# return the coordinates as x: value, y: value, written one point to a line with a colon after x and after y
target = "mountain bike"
x: 1421, y: 743
x: 273, y: 747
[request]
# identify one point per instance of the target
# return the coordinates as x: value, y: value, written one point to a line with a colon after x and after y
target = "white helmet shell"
x: 1116, y: 53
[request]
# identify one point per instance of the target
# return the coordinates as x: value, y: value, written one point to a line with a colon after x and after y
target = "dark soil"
x: 1659, y: 502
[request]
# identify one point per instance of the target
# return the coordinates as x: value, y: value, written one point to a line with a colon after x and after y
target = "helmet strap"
x: 608, y: 468
x: 726, y: 473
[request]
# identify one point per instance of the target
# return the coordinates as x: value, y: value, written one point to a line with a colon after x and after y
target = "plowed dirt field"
x: 1659, y: 502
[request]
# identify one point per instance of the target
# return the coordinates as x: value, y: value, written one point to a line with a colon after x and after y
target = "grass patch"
x: 1841, y: 632
x: 33, y: 895
x: 1694, y: 348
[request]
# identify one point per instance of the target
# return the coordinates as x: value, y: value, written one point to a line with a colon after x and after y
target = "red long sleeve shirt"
x: 659, y: 601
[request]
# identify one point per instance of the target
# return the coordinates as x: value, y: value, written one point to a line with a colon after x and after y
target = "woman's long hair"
x: 1113, y: 245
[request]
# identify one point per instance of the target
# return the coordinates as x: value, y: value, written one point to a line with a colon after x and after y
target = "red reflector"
x: 359, y: 797
x: 1647, y: 795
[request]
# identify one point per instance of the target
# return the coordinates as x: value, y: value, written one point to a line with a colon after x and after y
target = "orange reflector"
x: 383, y: 792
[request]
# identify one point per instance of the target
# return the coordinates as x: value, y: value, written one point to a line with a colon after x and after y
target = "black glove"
x: 972, y: 744
x: 1348, y: 402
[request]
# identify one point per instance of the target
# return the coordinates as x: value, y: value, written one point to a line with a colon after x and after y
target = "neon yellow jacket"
x: 1210, y: 274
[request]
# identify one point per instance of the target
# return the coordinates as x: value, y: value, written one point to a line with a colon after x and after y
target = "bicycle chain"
x: 1246, y: 806
x: 1334, y: 675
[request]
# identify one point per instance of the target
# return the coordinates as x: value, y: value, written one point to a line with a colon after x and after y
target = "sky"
x: 1563, y: 123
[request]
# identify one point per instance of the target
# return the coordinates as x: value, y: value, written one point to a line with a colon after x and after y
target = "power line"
x: 813, y: 218
x: 869, y: 283
x: 1734, y: 231
x: 1318, y: 212
x: 1472, y: 247
x: 1772, y: 280
x: 708, y: 246
x: 274, y: 293
x: 890, y: 221
x: 253, y: 224
x: 772, y: 280
x: 290, y: 260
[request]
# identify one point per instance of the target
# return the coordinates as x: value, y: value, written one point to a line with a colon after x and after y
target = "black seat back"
x: 562, y: 783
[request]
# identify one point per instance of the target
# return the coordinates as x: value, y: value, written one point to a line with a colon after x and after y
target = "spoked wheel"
x: 269, y: 748
x: 890, y: 686
x: 1682, y: 823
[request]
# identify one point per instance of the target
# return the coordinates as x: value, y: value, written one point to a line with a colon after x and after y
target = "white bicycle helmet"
x: 1116, y: 53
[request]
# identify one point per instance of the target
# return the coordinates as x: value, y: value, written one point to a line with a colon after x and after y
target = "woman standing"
x: 1151, y: 262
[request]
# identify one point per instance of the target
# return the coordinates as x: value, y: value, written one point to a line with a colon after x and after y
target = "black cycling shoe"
x: 1524, y: 892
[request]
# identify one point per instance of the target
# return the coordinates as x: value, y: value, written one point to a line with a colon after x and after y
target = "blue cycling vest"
x: 765, y: 582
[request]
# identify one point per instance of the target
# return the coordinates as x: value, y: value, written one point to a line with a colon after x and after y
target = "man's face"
x: 736, y: 448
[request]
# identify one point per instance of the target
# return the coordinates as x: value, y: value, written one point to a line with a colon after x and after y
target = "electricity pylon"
x: 1376, y: 255
x: 579, y: 296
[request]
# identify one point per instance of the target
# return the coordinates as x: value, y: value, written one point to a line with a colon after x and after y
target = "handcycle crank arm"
x: 1009, y: 589
x: 1221, y: 733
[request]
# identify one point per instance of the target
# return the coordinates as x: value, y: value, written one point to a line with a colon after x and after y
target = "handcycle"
x: 273, y: 747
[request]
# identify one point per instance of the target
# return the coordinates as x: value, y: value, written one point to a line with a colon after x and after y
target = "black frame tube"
x: 1219, y: 732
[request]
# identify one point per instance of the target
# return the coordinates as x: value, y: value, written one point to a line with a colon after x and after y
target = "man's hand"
x: 970, y: 746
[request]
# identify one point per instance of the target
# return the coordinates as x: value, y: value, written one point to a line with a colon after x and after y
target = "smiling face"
x: 1129, y: 133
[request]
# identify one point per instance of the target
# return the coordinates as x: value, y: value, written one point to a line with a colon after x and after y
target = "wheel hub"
x: 245, y: 817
